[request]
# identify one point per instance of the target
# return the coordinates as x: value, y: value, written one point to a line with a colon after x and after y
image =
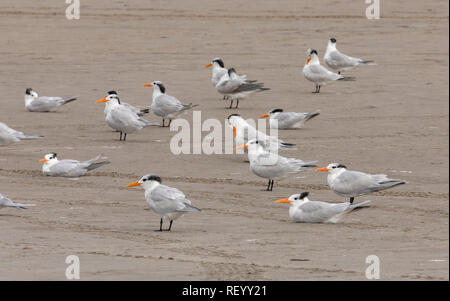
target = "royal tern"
x: 166, y: 106
x: 349, y: 183
x: 9, y: 135
x: 68, y: 168
x: 243, y: 132
x: 341, y: 62
x: 34, y: 103
x: 318, y: 74
x: 170, y: 203
x: 122, y: 119
x: 137, y: 111
x: 5, y: 202
x: 237, y: 88
x: 271, y: 166
x: 278, y: 119
x: 303, y: 210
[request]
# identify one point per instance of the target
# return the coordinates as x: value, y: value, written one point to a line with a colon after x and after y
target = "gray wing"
x: 319, y: 73
x: 316, y: 212
x: 165, y: 104
x: 339, y: 60
x: 169, y: 199
x: 5, y: 202
x: 69, y: 168
x: 354, y: 183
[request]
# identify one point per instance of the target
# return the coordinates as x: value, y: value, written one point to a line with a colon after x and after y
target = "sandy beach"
x: 392, y: 119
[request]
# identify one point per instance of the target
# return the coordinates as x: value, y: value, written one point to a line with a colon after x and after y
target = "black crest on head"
x: 333, y: 40
x: 220, y: 62
x: 54, y: 155
x: 276, y: 111
x: 233, y: 115
x: 154, y: 178
x: 161, y: 87
x: 231, y: 70
x: 112, y: 92
x: 28, y: 91
x: 303, y: 195
x: 314, y: 51
x: 341, y: 166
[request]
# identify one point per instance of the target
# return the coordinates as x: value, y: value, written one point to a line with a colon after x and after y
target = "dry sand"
x: 393, y: 119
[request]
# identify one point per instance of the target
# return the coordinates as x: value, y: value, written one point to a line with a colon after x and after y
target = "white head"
x: 30, y: 95
x: 332, y: 43
x: 148, y: 181
x: 216, y: 63
x: 312, y: 57
x: 158, y: 87
x: 49, y: 159
x: 333, y: 168
x: 254, y: 146
x: 295, y: 199
x: 112, y: 98
x: 235, y: 119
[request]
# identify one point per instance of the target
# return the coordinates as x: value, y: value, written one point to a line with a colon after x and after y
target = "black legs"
x: 161, y: 226
x: 317, y: 89
x: 170, y: 121
x: 351, y: 200
x: 124, y: 136
x: 270, y: 185
x: 231, y: 103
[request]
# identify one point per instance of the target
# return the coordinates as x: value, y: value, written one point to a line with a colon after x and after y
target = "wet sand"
x: 393, y: 119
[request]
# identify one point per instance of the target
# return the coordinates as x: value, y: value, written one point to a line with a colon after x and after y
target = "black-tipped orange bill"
x: 147, y: 85
x: 234, y: 131
x: 43, y: 160
x: 263, y: 116
x: 283, y: 201
x: 209, y: 65
x: 322, y: 169
x: 102, y: 100
x: 309, y: 60
x: 133, y: 184
x: 241, y: 146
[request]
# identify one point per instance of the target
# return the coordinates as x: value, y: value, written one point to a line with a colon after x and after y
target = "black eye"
x: 334, y: 167
x: 256, y: 142
x: 144, y: 180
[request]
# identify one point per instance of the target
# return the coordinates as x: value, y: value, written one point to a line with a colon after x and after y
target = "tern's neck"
x: 150, y: 186
x: 314, y: 60
x: 335, y: 173
x: 49, y: 164
x: 156, y: 92
x: 296, y: 204
x: 28, y: 99
x: 216, y: 68
x: 331, y: 47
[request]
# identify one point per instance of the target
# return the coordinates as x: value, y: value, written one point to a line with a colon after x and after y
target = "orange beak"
x: 322, y: 169
x: 43, y: 160
x: 234, y: 131
x: 263, y: 116
x: 283, y: 201
x: 242, y: 146
x: 209, y: 65
x: 133, y: 184
x: 308, y: 60
x: 147, y: 85
x: 101, y: 100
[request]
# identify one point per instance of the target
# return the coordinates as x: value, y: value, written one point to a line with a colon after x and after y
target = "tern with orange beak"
x: 349, y: 183
x: 121, y: 118
x: 34, y: 103
x: 5, y: 202
x: 168, y: 202
x: 272, y: 166
x: 137, y: 111
x: 318, y: 74
x: 278, y: 119
x: 68, y: 168
x: 341, y: 62
x: 303, y: 210
x: 166, y: 106
x: 243, y: 132
x: 236, y: 87
x: 9, y: 135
